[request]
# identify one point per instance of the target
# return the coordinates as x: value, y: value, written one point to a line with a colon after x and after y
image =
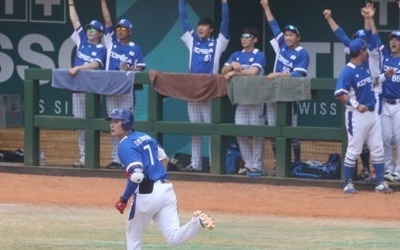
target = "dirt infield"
x: 230, y: 198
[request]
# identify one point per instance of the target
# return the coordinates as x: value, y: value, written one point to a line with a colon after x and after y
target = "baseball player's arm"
x: 74, y: 70
x: 73, y: 15
x: 273, y: 75
x: 346, y: 100
x: 224, y: 28
x: 183, y: 16
x: 332, y: 23
x: 106, y: 13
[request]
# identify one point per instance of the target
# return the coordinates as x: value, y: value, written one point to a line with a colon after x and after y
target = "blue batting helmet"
x: 124, y: 115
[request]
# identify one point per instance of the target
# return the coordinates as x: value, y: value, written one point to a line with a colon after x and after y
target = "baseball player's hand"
x: 73, y: 71
x: 235, y: 66
x: 120, y: 205
x: 362, y: 108
x: 389, y: 72
x: 264, y: 3
x: 327, y: 13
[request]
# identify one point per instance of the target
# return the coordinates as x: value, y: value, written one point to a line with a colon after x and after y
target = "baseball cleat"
x: 349, y: 188
x: 395, y: 176
x: 383, y: 187
x: 205, y: 220
x: 387, y: 175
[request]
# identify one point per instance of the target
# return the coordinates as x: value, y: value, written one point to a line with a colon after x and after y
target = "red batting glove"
x: 120, y: 205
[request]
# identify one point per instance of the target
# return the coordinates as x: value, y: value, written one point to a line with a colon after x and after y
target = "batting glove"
x: 120, y: 205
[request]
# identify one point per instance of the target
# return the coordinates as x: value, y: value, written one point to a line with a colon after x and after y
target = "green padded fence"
x: 218, y: 130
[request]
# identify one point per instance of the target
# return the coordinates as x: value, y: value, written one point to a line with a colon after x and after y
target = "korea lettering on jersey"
x: 139, y: 149
x: 116, y: 52
x: 204, y: 53
x: 356, y: 81
x: 391, y: 86
x: 247, y: 60
x: 290, y: 60
x: 87, y: 52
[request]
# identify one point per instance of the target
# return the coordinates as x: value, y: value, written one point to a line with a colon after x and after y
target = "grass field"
x: 88, y: 228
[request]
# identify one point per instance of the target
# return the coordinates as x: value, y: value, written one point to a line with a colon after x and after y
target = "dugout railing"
x: 219, y: 130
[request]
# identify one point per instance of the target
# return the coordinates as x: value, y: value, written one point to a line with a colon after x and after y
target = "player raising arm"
x: 292, y: 60
x: 354, y: 88
x: 204, y: 55
x: 90, y: 54
x: 122, y: 54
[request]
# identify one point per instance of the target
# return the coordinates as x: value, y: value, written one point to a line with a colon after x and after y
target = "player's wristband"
x: 381, y: 78
x: 352, y: 102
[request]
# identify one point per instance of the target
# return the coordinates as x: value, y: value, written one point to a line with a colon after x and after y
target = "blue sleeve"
x: 129, y: 189
x: 377, y: 40
x: 341, y: 35
x: 274, y: 27
x: 184, y: 16
x: 224, y: 29
x: 297, y: 74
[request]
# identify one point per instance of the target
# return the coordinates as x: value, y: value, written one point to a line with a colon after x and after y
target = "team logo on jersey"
x: 94, y: 53
x: 211, y: 44
x: 251, y: 59
x: 131, y: 53
x: 293, y: 57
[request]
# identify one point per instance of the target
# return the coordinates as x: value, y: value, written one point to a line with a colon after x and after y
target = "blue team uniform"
x: 117, y: 52
x: 293, y: 61
x: 204, y: 53
x: 87, y: 52
x: 256, y: 58
x: 250, y: 114
x: 138, y: 149
x: 356, y: 81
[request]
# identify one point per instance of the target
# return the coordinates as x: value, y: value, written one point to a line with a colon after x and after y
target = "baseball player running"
x: 91, y: 54
x: 145, y: 161
x: 354, y: 88
x: 247, y: 62
x: 391, y: 99
x: 122, y: 54
x: 204, y: 55
x: 291, y: 61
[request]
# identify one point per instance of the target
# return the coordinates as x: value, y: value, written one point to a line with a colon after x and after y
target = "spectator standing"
x: 204, y: 55
x: 292, y: 60
x: 90, y: 55
x: 124, y: 55
x: 249, y: 61
x: 145, y: 162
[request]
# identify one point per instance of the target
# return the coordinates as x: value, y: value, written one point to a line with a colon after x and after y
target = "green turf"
x: 87, y: 228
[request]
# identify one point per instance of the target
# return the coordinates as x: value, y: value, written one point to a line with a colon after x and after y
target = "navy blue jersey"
x: 118, y: 52
x: 87, y: 52
x: 356, y: 81
x: 247, y: 60
x: 138, y: 149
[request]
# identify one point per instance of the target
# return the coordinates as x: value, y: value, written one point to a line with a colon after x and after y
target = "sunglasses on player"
x: 121, y: 29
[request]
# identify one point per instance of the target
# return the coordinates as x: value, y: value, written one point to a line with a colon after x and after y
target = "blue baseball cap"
x: 125, y: 115
x: 395, y: 34
x: 125, y: 23
x: 95, y: 25
x: 360, y: 34
x: 356, y: 45
x: 292, y: 28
